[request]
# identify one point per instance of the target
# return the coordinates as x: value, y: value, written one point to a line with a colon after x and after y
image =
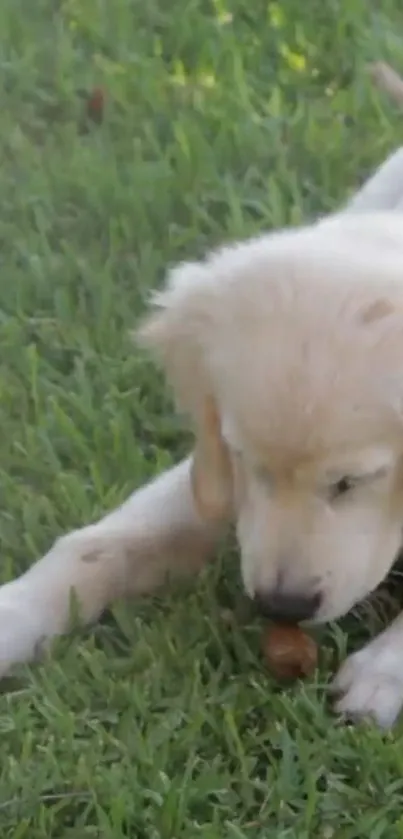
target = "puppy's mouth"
x: 292, y: 607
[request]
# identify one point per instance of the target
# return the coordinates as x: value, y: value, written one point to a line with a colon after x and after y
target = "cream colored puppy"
x: 286, y: 353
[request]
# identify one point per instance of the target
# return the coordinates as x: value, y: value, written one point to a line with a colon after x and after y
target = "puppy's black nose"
x: 285, y: 606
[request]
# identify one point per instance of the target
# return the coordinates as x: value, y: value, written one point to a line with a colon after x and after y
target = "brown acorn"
x: 289, y: 652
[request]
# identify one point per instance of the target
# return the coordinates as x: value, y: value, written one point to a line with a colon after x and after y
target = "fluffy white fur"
x: 286, y: 354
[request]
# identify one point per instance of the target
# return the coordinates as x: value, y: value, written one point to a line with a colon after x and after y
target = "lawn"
x: 222, y: 118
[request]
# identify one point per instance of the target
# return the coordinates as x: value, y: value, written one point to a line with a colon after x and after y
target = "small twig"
x: 388, y: 80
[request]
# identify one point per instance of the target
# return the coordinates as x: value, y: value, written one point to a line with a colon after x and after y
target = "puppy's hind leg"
x: 383, y: 191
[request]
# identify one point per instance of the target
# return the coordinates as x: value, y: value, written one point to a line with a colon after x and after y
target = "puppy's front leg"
x: 157, y: 532
x: 370, y: 682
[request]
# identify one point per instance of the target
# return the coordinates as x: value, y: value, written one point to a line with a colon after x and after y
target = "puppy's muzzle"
x: 288, y: 606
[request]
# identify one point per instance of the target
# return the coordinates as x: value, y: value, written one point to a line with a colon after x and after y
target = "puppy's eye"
x: 342, y: 487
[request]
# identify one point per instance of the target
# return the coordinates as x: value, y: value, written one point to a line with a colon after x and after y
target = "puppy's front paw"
x: 370, y: 682
x: 22, y: 626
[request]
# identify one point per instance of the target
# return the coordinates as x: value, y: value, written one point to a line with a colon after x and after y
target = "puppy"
x: 285, y: 352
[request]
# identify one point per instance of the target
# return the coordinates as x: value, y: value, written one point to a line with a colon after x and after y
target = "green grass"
x: 223, y: 118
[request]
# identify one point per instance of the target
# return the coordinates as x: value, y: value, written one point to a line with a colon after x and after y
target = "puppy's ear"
x: 377, y: 310
x: 212, y: 479
x: 178, y: 332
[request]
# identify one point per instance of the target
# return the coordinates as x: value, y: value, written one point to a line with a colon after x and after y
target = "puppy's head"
x: 286, y: 353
